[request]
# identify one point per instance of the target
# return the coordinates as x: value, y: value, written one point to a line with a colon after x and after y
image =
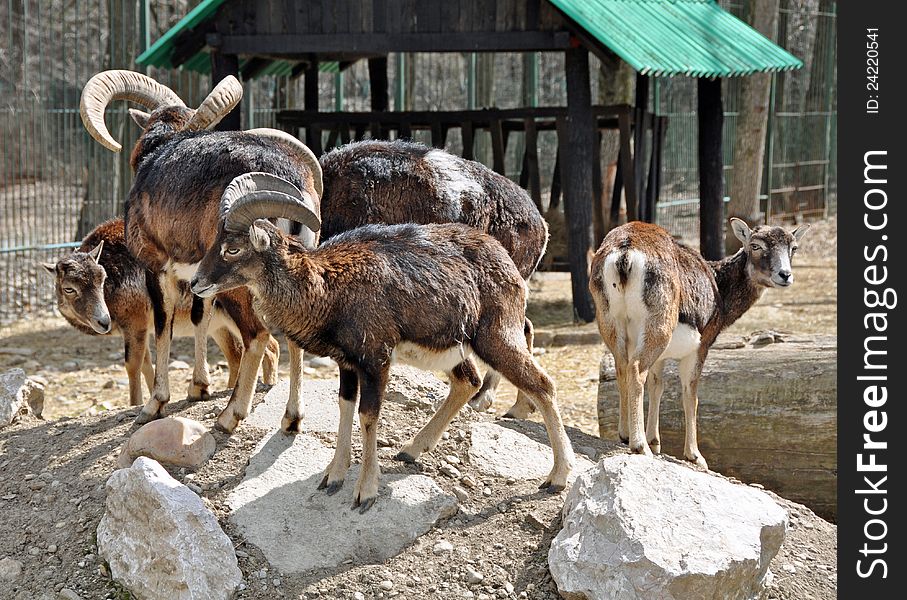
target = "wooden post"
x: 221, y: 66
x: 577, y: 170
x: 711, y: 194
x: 639, y: 142
x: 310, y: 102
x: 377, y: 77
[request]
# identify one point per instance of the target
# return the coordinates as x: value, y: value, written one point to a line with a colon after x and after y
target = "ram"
x: 101, y: 289
x: 181, y: 171
x: 404, y: 182
x: 657, y: 300
x: 428, y: 295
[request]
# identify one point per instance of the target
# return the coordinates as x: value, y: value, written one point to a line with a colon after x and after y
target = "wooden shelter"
x: 657, y: 37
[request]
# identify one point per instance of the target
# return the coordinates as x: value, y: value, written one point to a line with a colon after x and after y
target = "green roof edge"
x: 158, y: 55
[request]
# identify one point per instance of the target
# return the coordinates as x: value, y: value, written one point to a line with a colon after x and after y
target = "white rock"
x: 473, y: 577
x: 503, y: 452
x: 173, y: 441
x: 179, y: 365
x: 386, y: 585
x: 299, y: 528
x: 10, y: 569
x: 68, y: 594
x: 161, y: 541
x: 319, y: 398
x: 410, y: 386
x: 322, y: 362
x: 442, y: 547
x: 16, y: 391
x: 640, y: 528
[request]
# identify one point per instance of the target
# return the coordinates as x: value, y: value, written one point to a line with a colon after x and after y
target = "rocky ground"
x: 52, y: 497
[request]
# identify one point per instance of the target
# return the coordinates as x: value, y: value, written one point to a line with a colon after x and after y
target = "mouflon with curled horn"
x: 433, y: 296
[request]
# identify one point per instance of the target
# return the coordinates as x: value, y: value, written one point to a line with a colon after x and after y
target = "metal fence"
x: 801, y: 143
x: 56, y: 183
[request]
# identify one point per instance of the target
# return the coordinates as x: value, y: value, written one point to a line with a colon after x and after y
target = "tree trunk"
x: 752, y: 122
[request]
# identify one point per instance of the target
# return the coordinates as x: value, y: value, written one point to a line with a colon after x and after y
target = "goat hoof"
x: 655, y: 446
x: 700, y: 462
x: 330, y: 488
x: 291, y: 425
x: 405, y: 457
x: 555, y: 489
x: 199, y: 396
x: 480, y: 404
x: 364, y: 505
x: 624, y: 440
x: 144, y: 417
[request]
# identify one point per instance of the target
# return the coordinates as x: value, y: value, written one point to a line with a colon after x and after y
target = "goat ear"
x: 96, y: 253
x: 800, y: 231
x: 259, y: 237
x: 49, y: 267
x: 741, y: 230
x: 140, y: 117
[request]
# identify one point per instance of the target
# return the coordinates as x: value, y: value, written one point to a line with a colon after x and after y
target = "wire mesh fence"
x: 56, y: 183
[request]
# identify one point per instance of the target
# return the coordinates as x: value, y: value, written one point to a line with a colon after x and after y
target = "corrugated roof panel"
x: 678, y: 37
x: 158, y: 55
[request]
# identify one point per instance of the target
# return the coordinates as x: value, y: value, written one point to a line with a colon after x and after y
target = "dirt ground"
x: 52, y: 471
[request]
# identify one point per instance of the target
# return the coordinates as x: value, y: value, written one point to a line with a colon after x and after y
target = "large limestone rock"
x: 300, y: 528
x: 407, y: 385
x: 767, y: 414
x: 320, y: 411
x: 16, y: 391
x: 646, y: 528
x: 160, y: 540
x: 173, y: 441
x: 503, y: 452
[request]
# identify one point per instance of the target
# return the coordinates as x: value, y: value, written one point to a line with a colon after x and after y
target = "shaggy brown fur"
x: 432, y: 295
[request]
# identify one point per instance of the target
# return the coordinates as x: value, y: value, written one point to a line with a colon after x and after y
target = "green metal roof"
x: 160, y: 53
x: 678, y: 37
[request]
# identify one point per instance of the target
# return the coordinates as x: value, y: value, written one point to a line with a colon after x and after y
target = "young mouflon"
x: 432, y: 296
x: 102, y: 289
x: 657, y: 299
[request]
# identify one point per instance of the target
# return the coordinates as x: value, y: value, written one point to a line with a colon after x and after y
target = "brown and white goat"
x: 657, y: 299
x: 181, y: 171
x: 101, y: 289
x: 429, y: 295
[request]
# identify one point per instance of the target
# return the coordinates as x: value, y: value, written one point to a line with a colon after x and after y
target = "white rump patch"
x: 453, y: 181
x: 625, y: 303
x: 684, y: 341
x: 428, y: 359
x: 183, y: 271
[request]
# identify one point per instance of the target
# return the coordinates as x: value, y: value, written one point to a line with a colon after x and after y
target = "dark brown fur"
x: 362, y: 293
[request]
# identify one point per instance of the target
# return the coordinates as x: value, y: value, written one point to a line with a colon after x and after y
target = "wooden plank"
x: 378, y: 87
x: 468, y: 140
x: 711, y: 195
x: 532, y: 162
x: 437, y: 134
x: 626, y: 166
x: 310, y: 99
x: 498, y: 149
x: 450, y: 16
x: 577, y: 166
x: 614, y: 216
x: 379, y: 16
x: 354, y: 17
x: 598, y: 202
x: 283, y: 46
x: 532, y: 15
x: 554, y: 199
x: 317, y: 9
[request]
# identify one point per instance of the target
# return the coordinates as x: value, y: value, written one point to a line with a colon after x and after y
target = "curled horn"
x: 252, y: 196
x: 108, y: 86
x: 217, y: 104
x: 302, y: 151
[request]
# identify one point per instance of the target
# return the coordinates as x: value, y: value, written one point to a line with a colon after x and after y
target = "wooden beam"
x: 532, y: 162
x: 383, y: 43
x: 310, y: 94
x: 711, y: 192
x: 223, y: 65
x: 253, y: 67
x: 625, y: 161
x: 577, y: 171
x: 377, y: 77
